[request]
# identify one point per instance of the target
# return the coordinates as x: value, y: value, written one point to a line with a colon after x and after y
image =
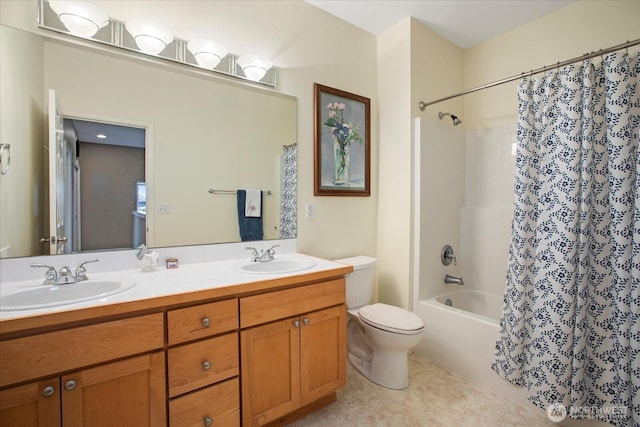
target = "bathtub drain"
x: 448, y: 302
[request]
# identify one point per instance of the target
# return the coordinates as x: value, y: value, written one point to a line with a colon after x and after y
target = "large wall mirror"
x: 199, y: 133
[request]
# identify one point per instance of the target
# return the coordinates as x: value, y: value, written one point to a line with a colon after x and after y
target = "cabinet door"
x: 31, y: 405
x: 128, y: 393
x: 270, y: 371
x: 323, y: 347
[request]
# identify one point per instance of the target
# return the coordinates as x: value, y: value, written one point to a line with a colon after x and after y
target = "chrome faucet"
x: 262, y: 256
x: 453, y: 280
x: 65, y: 276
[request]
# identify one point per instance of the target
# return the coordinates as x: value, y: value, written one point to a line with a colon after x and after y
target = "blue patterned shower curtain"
x: 570, y: 326
x: 288, y: 208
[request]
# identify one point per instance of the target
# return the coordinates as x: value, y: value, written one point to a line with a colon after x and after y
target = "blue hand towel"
x: 250, y: 227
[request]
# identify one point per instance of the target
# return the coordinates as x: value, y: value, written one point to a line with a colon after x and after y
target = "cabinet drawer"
x: 202, y: 320
x: 199, y: 364
x: 263, y: 308
x: 220, y: 403
x: 26, y: 358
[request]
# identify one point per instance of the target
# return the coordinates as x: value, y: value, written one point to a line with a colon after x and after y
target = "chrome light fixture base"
x: 116, y: 34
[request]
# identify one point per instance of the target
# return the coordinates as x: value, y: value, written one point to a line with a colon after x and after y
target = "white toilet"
x: 378, y: 335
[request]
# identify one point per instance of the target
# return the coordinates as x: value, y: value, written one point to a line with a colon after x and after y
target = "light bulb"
x: 208, y: 54
x: 80, y: 18
x: 254, y: 66
x: 149, y: 37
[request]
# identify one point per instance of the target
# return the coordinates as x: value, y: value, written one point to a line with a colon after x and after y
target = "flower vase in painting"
x: 343, y: 134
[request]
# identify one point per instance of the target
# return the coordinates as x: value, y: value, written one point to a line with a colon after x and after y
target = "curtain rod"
x: 422, y: 105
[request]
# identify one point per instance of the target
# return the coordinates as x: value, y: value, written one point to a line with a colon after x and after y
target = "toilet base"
x: 388, y: 369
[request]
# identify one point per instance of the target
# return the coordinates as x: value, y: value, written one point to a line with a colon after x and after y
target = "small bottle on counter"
x: 172, y: 263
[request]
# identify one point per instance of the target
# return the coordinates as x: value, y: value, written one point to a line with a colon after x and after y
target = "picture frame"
x: 342, y: 143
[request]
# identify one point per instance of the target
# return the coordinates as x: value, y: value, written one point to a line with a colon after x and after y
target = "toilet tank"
x: 360, y: 283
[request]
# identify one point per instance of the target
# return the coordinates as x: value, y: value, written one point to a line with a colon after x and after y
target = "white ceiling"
x: 463, y: 22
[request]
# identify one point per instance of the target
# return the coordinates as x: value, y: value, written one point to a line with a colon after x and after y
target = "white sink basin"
x: 277, y: 266
x: 56, y: 295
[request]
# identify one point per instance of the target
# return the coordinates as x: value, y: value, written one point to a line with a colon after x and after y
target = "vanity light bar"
x: 115, y: 34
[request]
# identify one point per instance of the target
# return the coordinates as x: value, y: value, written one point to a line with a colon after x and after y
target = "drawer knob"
x: 206, y: 322
x: 70, y: 385
x: 48, y: 391
x: 296, y: 323
x: 306, y: 321
x: 208, y: 421
x: 206, y: 365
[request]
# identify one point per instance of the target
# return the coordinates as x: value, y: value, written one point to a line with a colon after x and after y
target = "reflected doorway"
x: 108, y: 207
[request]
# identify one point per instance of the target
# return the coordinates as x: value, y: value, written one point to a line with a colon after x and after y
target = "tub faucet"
x: 453, y: 280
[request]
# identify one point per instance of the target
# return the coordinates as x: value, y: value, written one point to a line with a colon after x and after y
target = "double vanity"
x: 223, y: 343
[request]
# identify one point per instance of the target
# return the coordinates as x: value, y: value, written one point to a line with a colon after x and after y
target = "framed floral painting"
x: 342, y: 143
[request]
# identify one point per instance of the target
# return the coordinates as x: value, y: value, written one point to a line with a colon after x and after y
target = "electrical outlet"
x: 163, y: 209
x: 309, y: 211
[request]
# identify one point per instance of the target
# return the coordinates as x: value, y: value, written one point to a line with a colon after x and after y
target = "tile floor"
x: 435, y: 397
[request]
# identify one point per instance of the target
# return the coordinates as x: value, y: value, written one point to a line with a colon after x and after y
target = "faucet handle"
x: 254, y: 255
x: 447, y: 255
x: 50, y: 276
x: 81, y: 272
x: 272, y: 251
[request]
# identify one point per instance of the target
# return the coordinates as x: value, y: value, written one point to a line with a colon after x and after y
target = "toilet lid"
x: 391, y: 318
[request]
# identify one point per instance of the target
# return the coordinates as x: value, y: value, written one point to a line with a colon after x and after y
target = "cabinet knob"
x: 296, y: 323
x: 306, y: 321
x: 70, y: 385
x: 48, y: 391
x: 208, y: 421
x: 206, y: 322
x: 206, y: 365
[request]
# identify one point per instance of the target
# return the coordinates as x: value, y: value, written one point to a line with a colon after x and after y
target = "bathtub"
x: 479, y: 305
x: 461, y: 337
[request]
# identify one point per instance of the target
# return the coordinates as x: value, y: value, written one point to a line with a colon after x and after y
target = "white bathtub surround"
x: 570, y: 330
x: 12, y: 269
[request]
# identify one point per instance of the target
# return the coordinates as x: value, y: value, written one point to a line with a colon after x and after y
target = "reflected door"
x: 57, y: 178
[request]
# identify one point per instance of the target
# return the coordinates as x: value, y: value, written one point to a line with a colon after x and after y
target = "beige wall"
x: 394, y: 204
x: 21, y: 190
x: 584, y: 26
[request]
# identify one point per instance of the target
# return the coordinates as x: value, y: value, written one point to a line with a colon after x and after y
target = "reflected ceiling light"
x: 101, y: 136
x: 254, y: 66
x: 208, y: 54
x: 80, y: 18
x: 149, y: 37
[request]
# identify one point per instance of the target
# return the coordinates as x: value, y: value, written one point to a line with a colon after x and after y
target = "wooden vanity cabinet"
x: 35, y: 404
x: 203, y: 365
x: 184, y: 364
x: 126, y: 392
x: 293, y: 349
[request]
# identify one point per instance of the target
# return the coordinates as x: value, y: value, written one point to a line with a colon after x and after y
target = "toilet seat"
x: 392, y: 319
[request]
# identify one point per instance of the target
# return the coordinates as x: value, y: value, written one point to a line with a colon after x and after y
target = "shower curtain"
x: 570, y: 326
x: 288, y: 212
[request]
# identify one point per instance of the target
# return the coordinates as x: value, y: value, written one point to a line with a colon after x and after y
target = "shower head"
x: 456, y: 120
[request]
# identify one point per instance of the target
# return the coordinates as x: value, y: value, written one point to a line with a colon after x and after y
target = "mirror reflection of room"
x: 195, y: 138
